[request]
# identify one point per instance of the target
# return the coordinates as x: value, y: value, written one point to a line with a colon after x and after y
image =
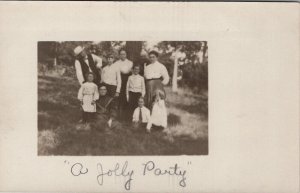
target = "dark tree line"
x: 193, y: 68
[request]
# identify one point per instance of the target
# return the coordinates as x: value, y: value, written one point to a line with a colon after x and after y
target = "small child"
x: 88, y: 94
x: 141, y: 115
x: 159, y: 112
x: 135, y: 88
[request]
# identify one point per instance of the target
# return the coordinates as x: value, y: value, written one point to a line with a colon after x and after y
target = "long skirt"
x: 123, y: 104
x: 151, y: 87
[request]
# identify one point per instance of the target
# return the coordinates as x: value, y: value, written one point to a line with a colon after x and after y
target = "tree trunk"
x: 133, y: 49
x: 174, y: 79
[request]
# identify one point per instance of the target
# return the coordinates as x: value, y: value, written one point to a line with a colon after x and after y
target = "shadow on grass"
x: 58, y: 115
x: 124, y: 142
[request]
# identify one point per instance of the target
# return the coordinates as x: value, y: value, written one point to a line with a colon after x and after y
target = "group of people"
x: 121, y: 91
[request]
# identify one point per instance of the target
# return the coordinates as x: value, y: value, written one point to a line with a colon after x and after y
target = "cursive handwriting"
x: 121, y: 170
x: 151, y: 167
x: 78, y: 169
x: 116, y: 171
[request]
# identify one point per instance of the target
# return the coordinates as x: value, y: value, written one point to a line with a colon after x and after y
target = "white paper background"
x: 253, y: 92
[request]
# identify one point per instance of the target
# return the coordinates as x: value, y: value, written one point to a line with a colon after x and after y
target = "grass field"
x: 59, y: 113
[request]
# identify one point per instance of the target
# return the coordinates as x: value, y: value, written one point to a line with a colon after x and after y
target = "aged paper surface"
x: 253, y: 94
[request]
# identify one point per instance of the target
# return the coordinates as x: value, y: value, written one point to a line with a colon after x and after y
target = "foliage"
x: 194, y: 73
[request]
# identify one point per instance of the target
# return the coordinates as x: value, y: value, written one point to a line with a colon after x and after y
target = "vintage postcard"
x: 149, y: 97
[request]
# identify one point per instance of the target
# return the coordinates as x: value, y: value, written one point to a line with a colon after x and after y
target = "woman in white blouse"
x: 156, y: 76
x: 125, y: 66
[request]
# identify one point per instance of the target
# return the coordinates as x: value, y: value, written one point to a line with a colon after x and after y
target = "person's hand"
x: 117, y: 94
x: 127, y: 97
x: 109, y: 123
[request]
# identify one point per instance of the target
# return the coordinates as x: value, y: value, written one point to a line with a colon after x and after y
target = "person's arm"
x: 79, y: 72
x: 98, y: 61
x: 119, y: 81
x: 143, y: 87
x: 135, y: 116
x: 113, y: 110
x: 148, y: 116
x: 96, y: 94
x: 127, y: 89
x: 80, y: 93
x: 102, y: 74
x: 165, y: 75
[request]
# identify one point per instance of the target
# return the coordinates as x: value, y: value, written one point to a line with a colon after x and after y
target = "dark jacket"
x: 106, y: 107
x: 85, y: 68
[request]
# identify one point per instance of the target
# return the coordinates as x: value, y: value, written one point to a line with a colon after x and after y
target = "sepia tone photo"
x: 123, y: 98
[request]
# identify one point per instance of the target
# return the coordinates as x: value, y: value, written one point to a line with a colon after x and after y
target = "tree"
x: 194, y: 67
x: 133, y: 49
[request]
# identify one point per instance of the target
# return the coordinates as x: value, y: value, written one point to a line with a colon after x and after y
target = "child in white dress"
x: 88, y: 94
x: 159, y: 112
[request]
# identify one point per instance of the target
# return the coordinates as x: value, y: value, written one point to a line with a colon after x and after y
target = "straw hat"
x: 78, y: 50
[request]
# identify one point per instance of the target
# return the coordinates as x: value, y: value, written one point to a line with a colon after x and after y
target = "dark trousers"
x: 101, y: 123
x: 133, y: 101
x: 87, y: 117
x: 111, y: 90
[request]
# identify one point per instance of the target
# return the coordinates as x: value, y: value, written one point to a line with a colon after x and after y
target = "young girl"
x: 159, y: 111
x: 88, y: 94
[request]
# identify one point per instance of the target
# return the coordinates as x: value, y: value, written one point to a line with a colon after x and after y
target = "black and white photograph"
x: 162, y: 97
x: 122, y: 98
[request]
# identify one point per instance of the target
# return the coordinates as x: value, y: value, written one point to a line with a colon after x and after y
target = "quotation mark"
x: 66, y: 162
x: 189, y: 162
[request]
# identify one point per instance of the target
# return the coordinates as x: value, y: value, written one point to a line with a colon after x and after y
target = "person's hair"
x: 136, y: 65
x: 102, y: 85
x: 122, y: 49
x: 154, y: 53
x: 87, y: 74
x: 110, y: 56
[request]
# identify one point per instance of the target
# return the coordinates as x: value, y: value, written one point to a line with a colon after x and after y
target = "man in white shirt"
x: 111, y: 77
x: 86, y: 63
x: 141, y: 115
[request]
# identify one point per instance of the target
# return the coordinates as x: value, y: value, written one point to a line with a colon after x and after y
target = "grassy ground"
x: 59, y: 113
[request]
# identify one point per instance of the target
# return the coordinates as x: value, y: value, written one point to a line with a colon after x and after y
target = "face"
x: 136, y: 70
x: 102, y: 91
x: 82, y: 54
x: 141, y: 102
x: 153, y: 58
x: 123, y: 55
x: 90, y: 77
x: 110, y: 60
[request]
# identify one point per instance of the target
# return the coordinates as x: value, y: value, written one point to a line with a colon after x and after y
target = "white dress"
x: 159, y: 114
x: 88, y: 92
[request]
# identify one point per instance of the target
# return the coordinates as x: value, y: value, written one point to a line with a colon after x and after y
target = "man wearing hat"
x: 86, y: 63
